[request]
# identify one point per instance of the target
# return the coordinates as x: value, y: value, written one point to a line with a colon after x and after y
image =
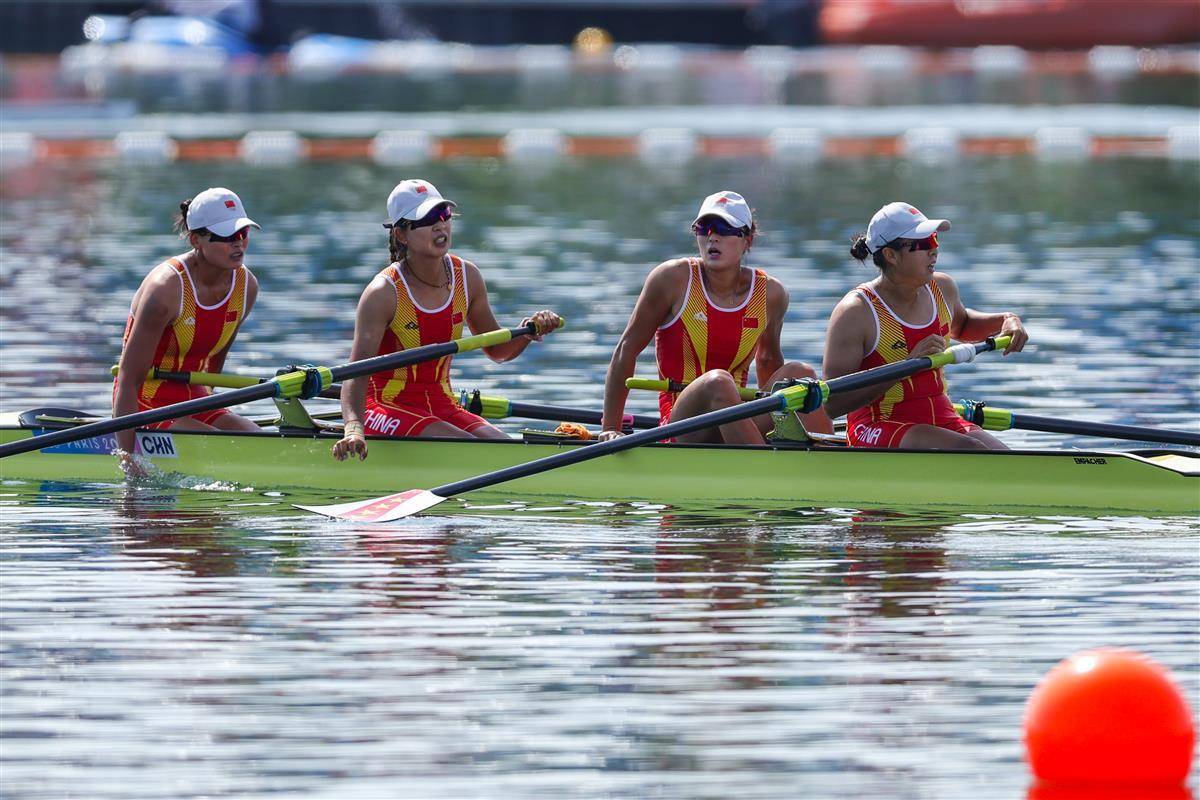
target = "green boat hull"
x: 1097, y: 482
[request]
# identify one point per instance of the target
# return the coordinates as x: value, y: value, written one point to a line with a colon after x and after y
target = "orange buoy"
x: 1109, y: 716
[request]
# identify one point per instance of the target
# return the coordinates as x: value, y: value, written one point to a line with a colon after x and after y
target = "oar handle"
x: 1000, y: 419
x: 502, y: 407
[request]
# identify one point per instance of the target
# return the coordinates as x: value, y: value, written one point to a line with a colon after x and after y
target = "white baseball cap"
x: 218, y: 210
x: 901, y: 221
x: 729, y: 206
x: 412, y: 199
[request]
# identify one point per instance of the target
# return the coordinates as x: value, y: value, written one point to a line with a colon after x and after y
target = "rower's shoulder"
x: 673, y: 266
x: 670, y: 273
x: 945, y: 283
x: 164, y: 276
x: 854, y: 305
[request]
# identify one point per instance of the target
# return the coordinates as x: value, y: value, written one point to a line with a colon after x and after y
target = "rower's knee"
x: 794, y: 369
x: 719, y: 386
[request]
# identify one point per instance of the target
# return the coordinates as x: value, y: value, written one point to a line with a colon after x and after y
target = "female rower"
x: 709, y: 316
x: 423, y: 297
x: 909, y: 310
x: 185, y: 316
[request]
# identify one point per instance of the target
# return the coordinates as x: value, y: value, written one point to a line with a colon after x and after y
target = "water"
x: 166, y: 642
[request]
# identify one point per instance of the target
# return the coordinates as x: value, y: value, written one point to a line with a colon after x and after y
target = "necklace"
x: 442, y: 285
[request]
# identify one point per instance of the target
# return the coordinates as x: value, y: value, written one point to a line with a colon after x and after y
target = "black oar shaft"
x: 588, y: 452
x: 566, y: 414
x: 1107, y: 430
x: 260, y: 391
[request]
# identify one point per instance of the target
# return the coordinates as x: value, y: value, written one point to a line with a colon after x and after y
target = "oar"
x: 485, y: 405
x: 665, y: 385
x: 307, y: 382
x: 501, y: 407
x: 795, y: 398
x: 219, y: 380
x: 999, y: 419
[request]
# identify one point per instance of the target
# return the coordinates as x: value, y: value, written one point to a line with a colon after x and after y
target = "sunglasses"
x: 240, y: 235
x: 710, y: 225
x: 912, y: 245
x: 439, y: 214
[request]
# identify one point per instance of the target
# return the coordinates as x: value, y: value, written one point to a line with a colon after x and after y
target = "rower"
x: 908, y: 310
x: 423, y: 296
x: 710, y: 317
x: 185, y: 316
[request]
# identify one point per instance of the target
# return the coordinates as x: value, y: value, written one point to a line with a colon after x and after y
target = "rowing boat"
x: 784, y: 474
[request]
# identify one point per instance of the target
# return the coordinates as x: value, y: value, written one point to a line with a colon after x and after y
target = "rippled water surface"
x: 165, y: 642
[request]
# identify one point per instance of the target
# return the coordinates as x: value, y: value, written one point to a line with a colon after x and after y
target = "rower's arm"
x: 969, y: 325
x: 851, y: 331
x: 155, y: 308
x: 768, y: 353
x: 376, y: 308
x: 653, y: 308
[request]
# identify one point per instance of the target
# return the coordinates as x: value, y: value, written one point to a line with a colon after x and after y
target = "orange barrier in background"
x: 716, y: 147
x: 1033, y: 24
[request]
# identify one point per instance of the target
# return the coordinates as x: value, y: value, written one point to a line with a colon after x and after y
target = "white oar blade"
x: 381, y: 509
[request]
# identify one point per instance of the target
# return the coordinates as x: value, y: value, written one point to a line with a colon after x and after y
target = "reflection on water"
x: 225, y: 646
x: 211, y: 641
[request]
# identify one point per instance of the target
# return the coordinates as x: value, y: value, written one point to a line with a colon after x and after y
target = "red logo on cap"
x: 913, y: 211
x: 230, y: 204
x: 722, y: 201
x: 421, y: 190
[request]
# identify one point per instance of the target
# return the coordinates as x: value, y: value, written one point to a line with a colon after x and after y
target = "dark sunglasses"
x: 239, y: 235
x: 710, y: 225
x: 439, y: 214
x: 912, y: 245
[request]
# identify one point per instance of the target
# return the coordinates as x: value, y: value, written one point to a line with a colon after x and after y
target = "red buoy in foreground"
x: 1109, y: 716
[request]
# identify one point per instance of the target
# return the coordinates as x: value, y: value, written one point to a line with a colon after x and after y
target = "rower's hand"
x: 931, y: 345
x: 352, y: 442
x: 132, y: 465
x: 545, y: 321
x: 1012, y: 327
x: 606, y: 435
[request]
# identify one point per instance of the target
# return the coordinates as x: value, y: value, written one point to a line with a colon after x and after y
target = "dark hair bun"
x: 858, y: 248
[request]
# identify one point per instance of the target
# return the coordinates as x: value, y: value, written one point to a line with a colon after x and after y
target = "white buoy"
x: 145, y: 147
x: 796, y: 145
x: 1183, y: 142
x: 402, y: 147
x: 931, y: 144
x: 1113, y: 62
x: 999, y: 60
x: 272, y: 147
x: 532, y: 144
x: 17, y: 150
x: 667, y: 145
x: 1062, y: 143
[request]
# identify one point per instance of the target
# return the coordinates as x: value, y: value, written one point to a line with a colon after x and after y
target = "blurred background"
x: 224, y: 650
x: 578, y: 137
